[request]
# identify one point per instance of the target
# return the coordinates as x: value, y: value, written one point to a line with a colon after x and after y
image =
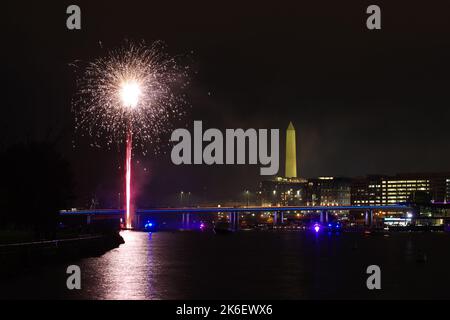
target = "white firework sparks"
x: 137, y: 88
x: 130, y: 96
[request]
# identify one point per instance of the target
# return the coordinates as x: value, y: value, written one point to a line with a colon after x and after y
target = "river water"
x: 250, y: 265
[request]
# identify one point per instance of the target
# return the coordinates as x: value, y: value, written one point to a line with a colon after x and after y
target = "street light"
x: 248, y: 195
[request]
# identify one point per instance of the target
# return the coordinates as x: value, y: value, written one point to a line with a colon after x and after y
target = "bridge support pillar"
x: 88, y: 219
x: 324, y: 216
x: 185, y: 220
x: 369, y: 218
x: 275, y: 218
x: 234, y: 220
x: 281, y: 217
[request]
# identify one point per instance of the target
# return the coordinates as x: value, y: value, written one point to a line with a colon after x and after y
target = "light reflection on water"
x: 264, y: 265
x: 250, y: 265
x: 126, y: 272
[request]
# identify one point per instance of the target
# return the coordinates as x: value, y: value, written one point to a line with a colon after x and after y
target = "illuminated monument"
x: 291, y: 155
x: 371, y: 190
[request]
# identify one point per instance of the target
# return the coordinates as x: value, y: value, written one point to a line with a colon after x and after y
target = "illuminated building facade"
x: 447, y: 193
x: 283, y: 192
x: 328, y: 191
x: 399, y: 190
x: 325, y: 191
x: 333, y: 191
x: 366, y: 191
x: 371, y: 190
x: 385, y: 190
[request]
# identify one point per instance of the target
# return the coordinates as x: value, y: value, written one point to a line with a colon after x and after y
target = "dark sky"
x: 362, y: 101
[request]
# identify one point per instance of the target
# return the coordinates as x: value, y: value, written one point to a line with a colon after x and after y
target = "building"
x: 399, y: 189
x: 283, y: 192
x: 386, y: 190
x: 366, y: 190
x: 447, y: 194
x: 322, y: 191
x: 329, y: 191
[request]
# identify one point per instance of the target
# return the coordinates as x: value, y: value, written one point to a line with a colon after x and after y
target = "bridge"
x: 234, y: 212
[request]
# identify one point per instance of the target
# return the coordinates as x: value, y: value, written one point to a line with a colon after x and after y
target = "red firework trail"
x: 129, y: 213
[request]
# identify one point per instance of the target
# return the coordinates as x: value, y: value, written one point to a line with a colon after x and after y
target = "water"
x: 250, y: 265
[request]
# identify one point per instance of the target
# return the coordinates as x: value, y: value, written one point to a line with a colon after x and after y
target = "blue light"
x: 149, y: 225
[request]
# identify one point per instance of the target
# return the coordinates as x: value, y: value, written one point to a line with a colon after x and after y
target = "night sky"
x: 361, y: 101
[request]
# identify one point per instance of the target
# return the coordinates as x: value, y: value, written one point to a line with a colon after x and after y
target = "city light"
x: 148, y: 225
x: 316, y: 227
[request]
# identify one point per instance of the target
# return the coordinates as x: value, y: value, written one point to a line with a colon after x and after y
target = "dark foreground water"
x: 250, y: 265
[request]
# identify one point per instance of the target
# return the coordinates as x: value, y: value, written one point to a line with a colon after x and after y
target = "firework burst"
x: 135, y: 87
x: 129, y: 96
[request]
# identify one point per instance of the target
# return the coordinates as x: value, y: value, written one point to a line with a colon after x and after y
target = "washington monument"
x: 291, y: 156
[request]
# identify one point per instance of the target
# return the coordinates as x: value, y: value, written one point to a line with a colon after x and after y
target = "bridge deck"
x: 238, y: 209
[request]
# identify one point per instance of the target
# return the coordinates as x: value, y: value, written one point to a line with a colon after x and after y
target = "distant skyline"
x: 361, y: 102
